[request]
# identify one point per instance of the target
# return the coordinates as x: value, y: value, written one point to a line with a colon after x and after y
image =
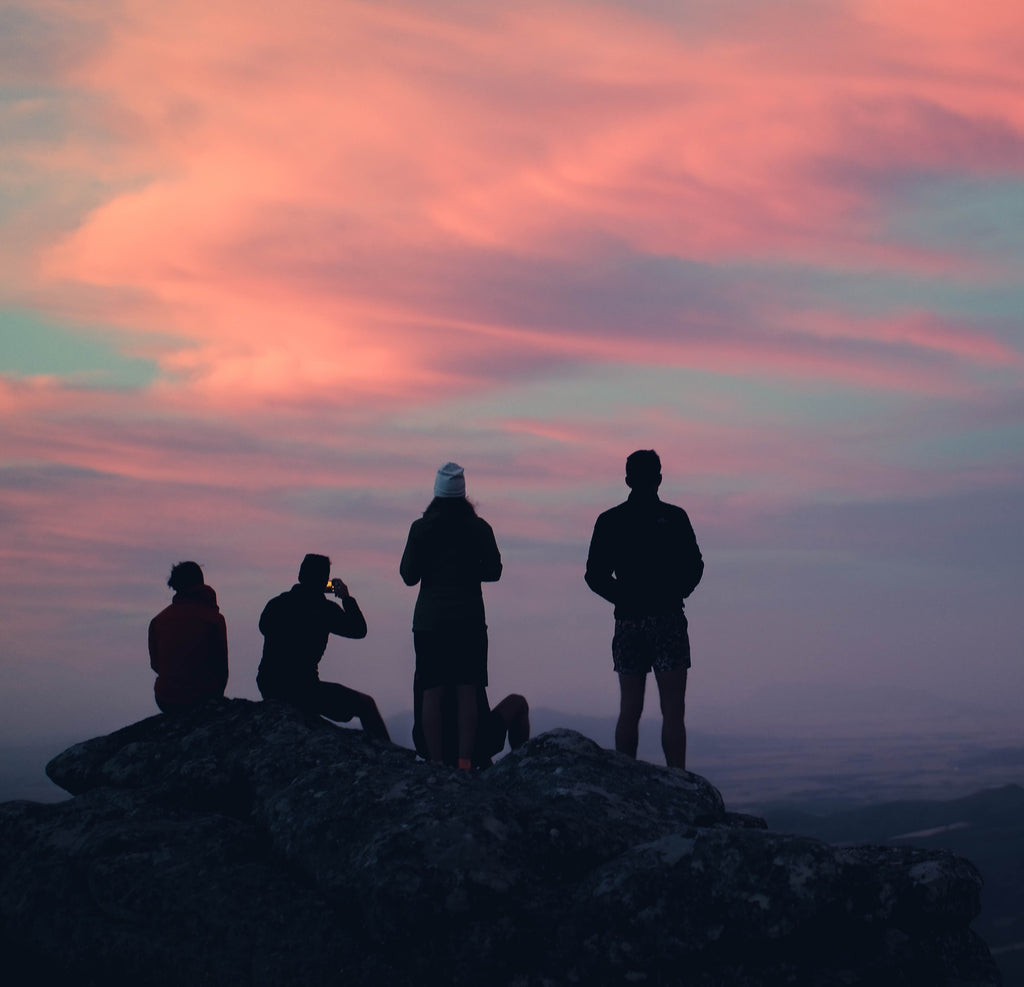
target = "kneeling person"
x: 509, y: 719
x: 296, y: 626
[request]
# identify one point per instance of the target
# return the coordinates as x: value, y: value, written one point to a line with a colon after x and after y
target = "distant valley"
x: 986, y: 827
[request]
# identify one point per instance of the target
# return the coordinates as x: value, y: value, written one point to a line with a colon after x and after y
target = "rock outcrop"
x: 246, y: 843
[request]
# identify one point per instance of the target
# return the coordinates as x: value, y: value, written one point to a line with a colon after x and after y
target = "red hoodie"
x: 188, y: 649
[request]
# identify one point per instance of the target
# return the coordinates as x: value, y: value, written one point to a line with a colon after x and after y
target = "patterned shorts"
x: 643, y: 643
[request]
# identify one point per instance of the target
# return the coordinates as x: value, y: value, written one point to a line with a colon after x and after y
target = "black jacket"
x: 449, y: 556
x: 644, y: 557
x: 295, y: 628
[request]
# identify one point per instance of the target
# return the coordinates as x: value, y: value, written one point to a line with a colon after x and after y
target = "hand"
x: 339, y: 588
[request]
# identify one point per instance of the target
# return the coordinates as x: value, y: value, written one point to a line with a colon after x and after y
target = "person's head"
x: 643, y: 470
x: 315, y: 571
x: 185, y: 576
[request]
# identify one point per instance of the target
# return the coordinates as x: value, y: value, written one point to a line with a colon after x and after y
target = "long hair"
x: 453, y: 507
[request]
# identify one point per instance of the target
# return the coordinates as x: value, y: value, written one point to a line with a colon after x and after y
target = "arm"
x: 490, y: 557
x: 410, y: 568
x: 348, y: 622
x: 152, y: 647
x: 221, y: 652
x: 600, y: 564
x: 693, y: 567
x: 266, y: 619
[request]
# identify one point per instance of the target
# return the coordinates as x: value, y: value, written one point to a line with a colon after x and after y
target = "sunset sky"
x: 264, y: 267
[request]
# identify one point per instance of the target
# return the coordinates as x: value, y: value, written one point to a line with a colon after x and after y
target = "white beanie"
x: 450, y: 481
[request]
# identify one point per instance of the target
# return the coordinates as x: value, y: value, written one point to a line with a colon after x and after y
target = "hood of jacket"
x: 201, y: 595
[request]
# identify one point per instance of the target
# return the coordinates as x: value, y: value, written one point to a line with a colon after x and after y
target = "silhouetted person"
x: 644, y: 559
x: 295, y: 628
x: 188, y: 643
x: 509, y: 719
x: 450, y: 551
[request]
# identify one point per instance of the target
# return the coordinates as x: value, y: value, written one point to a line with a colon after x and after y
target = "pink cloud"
x: 303, y: 190
x: 916, y: 329
x: 201, y: 469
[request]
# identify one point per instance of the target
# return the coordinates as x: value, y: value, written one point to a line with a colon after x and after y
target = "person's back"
x: 296, y: 626
x: 651, y: 548
x: 188, y: 645
x: 450, y: 552
x: 644, y: 559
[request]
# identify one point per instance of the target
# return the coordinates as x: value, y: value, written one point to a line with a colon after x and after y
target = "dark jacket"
x: 644, y: 557
x: 188, y: 649
x: 295, y: 628
x: 449, y: 554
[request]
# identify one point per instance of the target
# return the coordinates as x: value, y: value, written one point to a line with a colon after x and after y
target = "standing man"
x: 644, y: 559
x: 295, y: 628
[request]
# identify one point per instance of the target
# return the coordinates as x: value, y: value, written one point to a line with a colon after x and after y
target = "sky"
x: 265, y: 267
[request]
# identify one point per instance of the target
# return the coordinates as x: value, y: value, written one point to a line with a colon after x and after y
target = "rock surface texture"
x: 246, y: 843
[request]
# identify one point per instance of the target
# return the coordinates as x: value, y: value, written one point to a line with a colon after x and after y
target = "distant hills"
x: 986, y: 827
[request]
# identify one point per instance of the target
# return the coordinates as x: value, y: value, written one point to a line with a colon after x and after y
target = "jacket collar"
x: 643, y: 498
x: 202, y: 594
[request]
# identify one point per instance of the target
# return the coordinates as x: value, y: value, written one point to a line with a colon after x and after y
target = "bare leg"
x: 672, y: 691
x: 631, y: 705
x: 432, y: 726
x: 514, y: 711
x: 370, y: 718
x: 467, y: 721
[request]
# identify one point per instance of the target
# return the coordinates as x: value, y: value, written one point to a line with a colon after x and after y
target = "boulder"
x: 248, y: 843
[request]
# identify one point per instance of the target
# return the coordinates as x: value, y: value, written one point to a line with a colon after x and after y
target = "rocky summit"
x: 247, y: 843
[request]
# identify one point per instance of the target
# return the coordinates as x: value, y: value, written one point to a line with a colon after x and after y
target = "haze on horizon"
x: 264, y: 269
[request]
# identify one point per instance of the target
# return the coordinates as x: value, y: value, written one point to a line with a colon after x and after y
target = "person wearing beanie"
x: 296, y: 627
x: 188, y: 643
x: 450, y: 551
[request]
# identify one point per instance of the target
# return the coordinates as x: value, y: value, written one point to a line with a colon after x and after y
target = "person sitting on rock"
x: 295, y: 628
x: 188, y: 643
x: 509, y: 719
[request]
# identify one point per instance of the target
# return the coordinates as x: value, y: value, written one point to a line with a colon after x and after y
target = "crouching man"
x: 296, y: 626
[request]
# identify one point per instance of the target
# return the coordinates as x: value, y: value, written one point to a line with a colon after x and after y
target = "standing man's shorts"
x: 660, y: 643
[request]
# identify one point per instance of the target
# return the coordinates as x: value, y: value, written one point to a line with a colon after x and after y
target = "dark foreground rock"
x: 248, y: 844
